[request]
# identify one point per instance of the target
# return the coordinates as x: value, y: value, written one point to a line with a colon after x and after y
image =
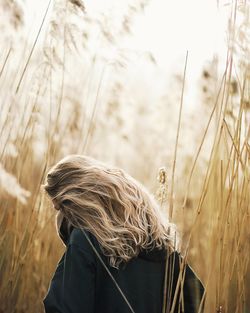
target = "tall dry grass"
x: 59, y: 97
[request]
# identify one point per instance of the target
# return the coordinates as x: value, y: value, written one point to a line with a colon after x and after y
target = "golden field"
x: 63, y: 91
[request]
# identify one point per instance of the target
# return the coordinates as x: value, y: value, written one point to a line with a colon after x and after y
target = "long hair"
x: 105, y: 200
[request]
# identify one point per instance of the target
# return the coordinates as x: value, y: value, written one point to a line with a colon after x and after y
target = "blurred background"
x: 144, y: 85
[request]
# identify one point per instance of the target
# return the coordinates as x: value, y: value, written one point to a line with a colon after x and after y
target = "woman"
x: 118, y: 245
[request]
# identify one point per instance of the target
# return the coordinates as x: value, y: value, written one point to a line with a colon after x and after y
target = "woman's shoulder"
x: 83, y: 239
x: 192, y: 281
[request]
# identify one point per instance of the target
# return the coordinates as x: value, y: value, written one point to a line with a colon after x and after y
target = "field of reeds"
x: 63, y: 91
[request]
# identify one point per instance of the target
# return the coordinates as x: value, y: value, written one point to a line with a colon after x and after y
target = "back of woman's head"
x: 112, y: 205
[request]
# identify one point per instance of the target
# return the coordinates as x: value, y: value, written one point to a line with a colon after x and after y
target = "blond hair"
x: 117, y: 209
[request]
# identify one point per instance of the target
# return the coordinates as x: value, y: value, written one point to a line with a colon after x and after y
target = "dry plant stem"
x: 176, y: 141
x: 201, y: 200
x: 223, y: 83
x: 236, y: 149
x: 218, y: 286
x: 33, y: 47
x: 49, y: 134
x: 179, y: 284
x: 89, y: 84
x: 5, y: 61
x: 166, y: 303
x: 26, y: 66
x: 19, y: 142
x: 84, y: 148
x: 2, y: 130
x: 215, y: 144
x: 202, y: 142
x: 27, y: 227
x: 59, y: 106
x: 223, y: 212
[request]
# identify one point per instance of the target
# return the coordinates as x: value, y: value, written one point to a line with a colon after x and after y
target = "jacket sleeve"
x: 193, y: 291
x: 72, y: 288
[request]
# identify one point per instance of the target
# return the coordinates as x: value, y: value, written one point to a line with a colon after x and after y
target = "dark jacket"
x: 81, y: 284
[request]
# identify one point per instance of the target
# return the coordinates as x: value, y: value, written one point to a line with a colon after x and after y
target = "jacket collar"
x: 155, y: 255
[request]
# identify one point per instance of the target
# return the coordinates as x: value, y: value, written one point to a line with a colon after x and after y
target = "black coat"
x: 81, y: 284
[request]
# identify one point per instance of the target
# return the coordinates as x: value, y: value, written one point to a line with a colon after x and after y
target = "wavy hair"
x: 105, y: 200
